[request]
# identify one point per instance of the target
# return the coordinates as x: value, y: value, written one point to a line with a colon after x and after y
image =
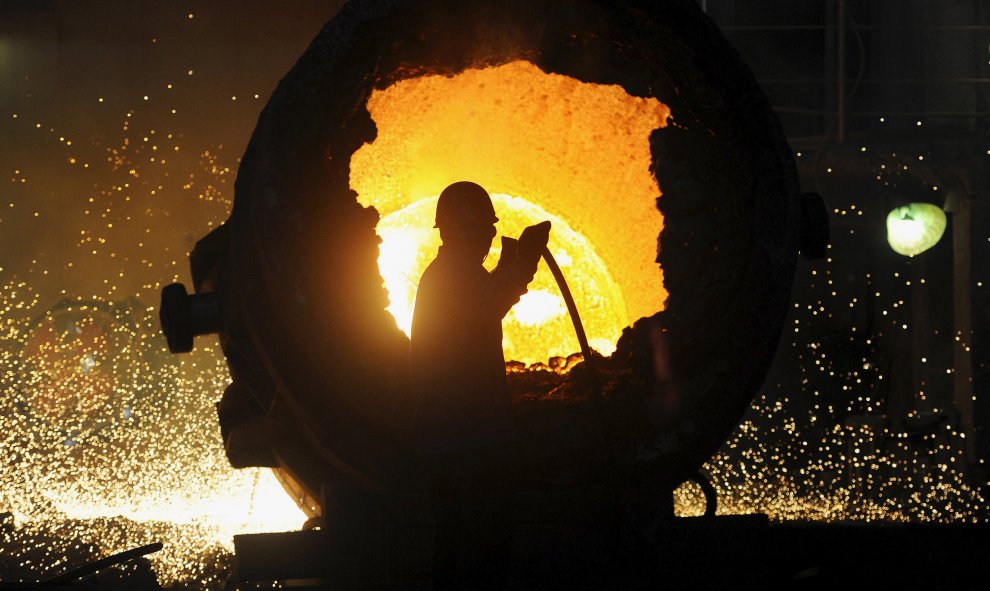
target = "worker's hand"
x: 535, y: 238
x: 531, y: 245
x: 510, y: 251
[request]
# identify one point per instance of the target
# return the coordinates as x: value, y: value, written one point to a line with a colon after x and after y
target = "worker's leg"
x: 487, y: 519
x: 448, y: 516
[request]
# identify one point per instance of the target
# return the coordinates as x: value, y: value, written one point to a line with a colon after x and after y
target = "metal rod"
x: 596, y: 391
x: 614, y: 528
x: 98, y: 565
x: 565, y: 291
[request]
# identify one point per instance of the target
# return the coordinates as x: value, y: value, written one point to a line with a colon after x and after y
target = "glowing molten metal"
x: 547, y: 147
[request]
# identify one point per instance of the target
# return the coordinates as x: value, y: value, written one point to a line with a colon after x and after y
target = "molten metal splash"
x: 101, y: 428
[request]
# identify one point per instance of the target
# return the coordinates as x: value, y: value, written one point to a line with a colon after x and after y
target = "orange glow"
x: 572, y: 152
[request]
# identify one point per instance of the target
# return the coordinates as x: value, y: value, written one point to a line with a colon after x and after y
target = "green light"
x: 914, y: 228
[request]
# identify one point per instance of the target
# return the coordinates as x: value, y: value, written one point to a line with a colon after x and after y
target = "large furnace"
x: 677, y: 214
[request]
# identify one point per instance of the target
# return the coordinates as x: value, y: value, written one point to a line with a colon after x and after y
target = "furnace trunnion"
x: 633, y: 123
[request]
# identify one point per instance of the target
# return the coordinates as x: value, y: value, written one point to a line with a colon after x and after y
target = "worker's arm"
x: 517, y: 266
x: 531, y: 244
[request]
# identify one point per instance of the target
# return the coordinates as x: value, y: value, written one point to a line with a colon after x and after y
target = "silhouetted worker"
x: 463, y: 422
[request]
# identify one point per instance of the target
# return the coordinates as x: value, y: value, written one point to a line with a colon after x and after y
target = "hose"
x: 613, y: 531
x: 711, y: 497
x: 589, y: 361
x: 565, y: 291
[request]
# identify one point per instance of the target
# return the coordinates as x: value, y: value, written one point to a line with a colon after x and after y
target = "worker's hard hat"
x: 464, y: 204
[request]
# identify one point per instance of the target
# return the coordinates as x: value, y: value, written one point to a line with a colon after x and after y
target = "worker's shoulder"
x: 438, y: 280
x: 434, y: 271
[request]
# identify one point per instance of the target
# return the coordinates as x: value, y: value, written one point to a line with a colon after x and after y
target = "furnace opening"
x: 546, y: 146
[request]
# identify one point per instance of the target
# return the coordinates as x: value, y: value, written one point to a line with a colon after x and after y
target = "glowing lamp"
x: 914, y: 228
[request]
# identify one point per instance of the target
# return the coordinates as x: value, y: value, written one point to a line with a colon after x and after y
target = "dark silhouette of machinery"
x: 320, y: 375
